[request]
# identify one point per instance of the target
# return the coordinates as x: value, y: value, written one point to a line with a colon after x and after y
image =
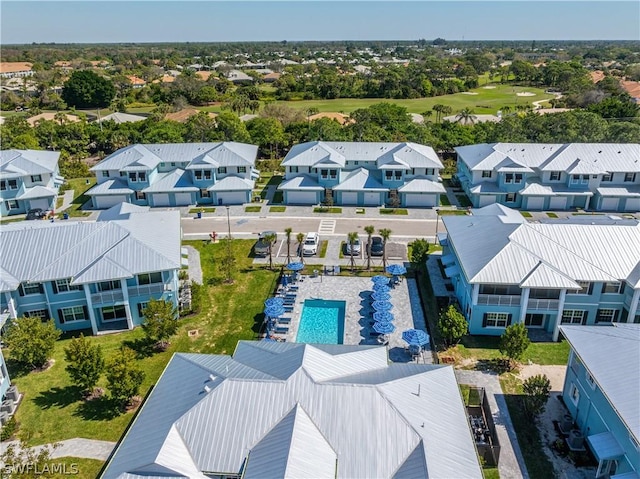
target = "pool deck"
x: 357, y: 330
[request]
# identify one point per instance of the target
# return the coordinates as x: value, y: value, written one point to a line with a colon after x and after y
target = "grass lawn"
x: 452, y: 212
x: 51, y: 410
x: 526, y: 214
x: 552, y: 215
x: 11, y: 220
x: 464, y: 200
x: 360, y: 211
x: 277, y: 209
x: 252, y: 209
x: 194, y: 211
x: 393, y: 211
x: 86, y: 468
x: 323, y: 249
x: 324, y: 209
x: 444, y: 200
x: 278, y: 197
x: 79, y: 187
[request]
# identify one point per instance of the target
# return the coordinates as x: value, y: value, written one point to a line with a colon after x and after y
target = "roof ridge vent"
x: 207, y: 389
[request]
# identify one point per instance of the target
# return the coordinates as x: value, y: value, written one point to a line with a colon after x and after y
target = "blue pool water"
x: 322, y: 322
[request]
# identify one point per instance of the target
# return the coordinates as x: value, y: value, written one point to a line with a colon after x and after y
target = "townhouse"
x: 601, y: 392
x: 506, y: 270
x: 176, y: 174
x: 592, y: 176
x: 16, y: 69
x: 90, y: 275
x: 362, y: 174
x: 29, y: 179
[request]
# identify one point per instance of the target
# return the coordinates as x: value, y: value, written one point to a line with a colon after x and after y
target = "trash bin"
x: 199, y: 214
x: 65, y: 215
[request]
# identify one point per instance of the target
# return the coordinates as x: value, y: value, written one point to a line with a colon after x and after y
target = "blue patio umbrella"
x: 274, y: 311
x: 382, y: 305
x: 415, y: 337
x: 295, y: 266
x: 380, y: 279
x: 384, y: 328
x: 380, y: 287
x: 383, y: 316
x: 285, y: 281
x: 275, y: 301
x: 396, y: 269
x: 381, y: 296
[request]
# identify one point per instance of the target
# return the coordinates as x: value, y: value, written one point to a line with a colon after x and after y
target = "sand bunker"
x: 489, y: 87
x: 469, y: 93
x: 525, y: 93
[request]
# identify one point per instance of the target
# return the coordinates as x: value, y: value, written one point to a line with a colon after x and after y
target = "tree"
x: 419, y: 251
x: 85, y: 362
x: 124, y: 378
x: 287, y: 232
x: 86, y: 89
x: 268, y: 133
x: 300, y: 238
x: 536, y: 393
x: 352, y: 238
x: 31, y: 341
x: 24, y: 462
x: 160, y: 322
x: 369, y: 229
x: 271, y: 239
x: 385, y: 233
x: 452, y: 325
x: 466, y: 117
x: 514, y: 342
x: 228, y: 262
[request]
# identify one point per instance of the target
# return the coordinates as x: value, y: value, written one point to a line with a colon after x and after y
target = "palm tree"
x: 300, y: 238
x: 466, y: 117
x: 352, y: 238
x: 427, y: 114
x: 438, y: 108
x: 271, y: 239
x: 370, y: 229
x: 288, y: 231
x: 385, y: 233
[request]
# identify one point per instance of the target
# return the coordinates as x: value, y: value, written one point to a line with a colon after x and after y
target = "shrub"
x: 85, y: 362
x: 31, y: 341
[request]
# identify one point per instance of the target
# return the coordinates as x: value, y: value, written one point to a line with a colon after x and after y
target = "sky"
x: 116, y: 21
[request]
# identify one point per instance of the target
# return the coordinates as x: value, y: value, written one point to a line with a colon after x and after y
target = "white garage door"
x: 102, y: 202
x: 161, y: 199
x: 632, y: 204
x: 371, y: 199
x: 487, y: 200
x: 416, y: 199
x: 302, y: 198
x: 183, y: 199
x: 609, y: 204
x: 349, y: 198
x: 231, y: 197
x: 535, y: 203
x: 42, y: 203
x: 558, y: 203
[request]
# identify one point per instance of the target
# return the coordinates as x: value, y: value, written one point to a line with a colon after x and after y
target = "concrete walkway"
x: 511, y: 463
x: 76, y: 447
x: 67, y: 200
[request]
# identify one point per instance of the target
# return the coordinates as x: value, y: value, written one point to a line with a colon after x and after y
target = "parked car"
x: 36, y: 214
x: 311, y: 243
x: 377, y: 246
x: 355, y: 246
x: 263, y: 246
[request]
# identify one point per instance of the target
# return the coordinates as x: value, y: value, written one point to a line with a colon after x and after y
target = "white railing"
x: 499, y: 299
x: 544, y: 304
x: 148, y: 289
x: 107, y: 297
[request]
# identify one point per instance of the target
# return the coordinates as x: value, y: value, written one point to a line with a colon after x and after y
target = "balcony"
x: 499, y: 299
x: 114, y: 296
x: 543, y: 304
x: 148, y: 289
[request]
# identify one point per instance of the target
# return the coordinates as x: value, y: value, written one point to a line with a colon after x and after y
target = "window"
x: 504, y: 289
x: 324, y: 174
x: 629, y: 177
x: 495, y: 320
x: 123, y: 173
x: 162, y: 163
x: 614, y: 287
x: 398, y: 175
x: 36, y: 178
x: 148, y: 278
x: 293, y: 169
x: 140, y: 195
x: 388, y: 175
x: 333, y: 174
x: 574, y: 394
x: 133, y: 177
x: 518, y: 178
x: 32, y: 288
x: 142, y: 176
x: 508, y: 178
x: 205, y: 193
x: 105, y: 173
x: 431, y: 171
x: 607, y: 177
x: 579, y: 179
x: 76, y: 313
x: 574, y: 316
x: 222, y: 170
x: 511, y: 197
x: 590, y: 379
x: 173, y: 163
x: 63, y: 286
x: 636, y: 320
x: 242, y: 169
x: 3, y: 185
x: 141, y: 307
x: 43, y: 314
x: 108, y: 285
x: 112, y: 313
x: 555, y: 176
x: 607, y: 316
x: 586, y: 288
x: 486, y: 173
x: 13, y: 184
x: 207, y: 174
x: 12, y: 204
x: 198, y: 174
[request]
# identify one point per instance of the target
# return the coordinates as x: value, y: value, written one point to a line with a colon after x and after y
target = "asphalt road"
x: 250, y: 226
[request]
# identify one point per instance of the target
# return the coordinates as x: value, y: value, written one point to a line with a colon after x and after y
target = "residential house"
x: 29, y: 179
x: 90, y: 275
x: 15, y: 69
x: 595, y: 176
x: 239, y: 77
x: 362, y: 174
x: 601, y: 392
x: 119, y: 117
x: 299, y: 411
x: 506, y: 270
x: 5, y: 380
x: 176, y: 174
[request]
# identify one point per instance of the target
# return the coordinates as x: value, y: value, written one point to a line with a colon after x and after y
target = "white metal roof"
x: 628, y: 191
x: 18, y: 163
x: 315, y: 405
x: 611, y: 354
x: 121, y: 211
x: 172, y: 181
x: 116, y: 186
x: 120, y: 117
x: 421, y: 184
x: 232, y: 183
x: 301, y: 182
x: 37, y: 192
x: 360, y: 180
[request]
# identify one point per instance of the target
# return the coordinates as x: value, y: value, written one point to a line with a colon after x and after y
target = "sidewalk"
x: 76, y: 447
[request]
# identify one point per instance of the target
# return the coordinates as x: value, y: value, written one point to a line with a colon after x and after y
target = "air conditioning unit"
x: 12, y: 393
x: 8, y: 406
x: 4, y: 417
x: 566, y: 424
x: 575, y: 439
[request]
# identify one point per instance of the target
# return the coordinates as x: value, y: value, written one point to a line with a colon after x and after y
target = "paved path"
x: 195, y: 268
x: 67, y: 200
x: 76, y: 447
x: 511, y: 463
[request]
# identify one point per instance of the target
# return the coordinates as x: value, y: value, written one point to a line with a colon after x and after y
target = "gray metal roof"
x: 37, y: 192
x: 290, y: 410
x: 360, y: 180
x: 232, y: 183
x: 88, y: 252
x: 627, y: 191
x: 301, y: 182
x: 18, y: 163
x: 116, y: 186
x: 120, y: 117
x: 421, y: 184
x: 491, y: 250
x: 121, y: 211
x: 611, y: 354
x: 172, y: 181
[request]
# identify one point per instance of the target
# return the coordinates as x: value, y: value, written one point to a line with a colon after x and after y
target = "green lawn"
x: 86, y: 468
x: 277, y: 209
x: 252, y: 209
x: 444, y: 200
x: 526, y: 214
x: 323, y: 249
x: 193, y: 211
x: 11, y: 220
x: 393, y: 211
x: 278, y: 197
x: 79, y: 187
x: 324, y: 209
x: 552, y: 215
x: 451, y: 212
x: 464, y: 200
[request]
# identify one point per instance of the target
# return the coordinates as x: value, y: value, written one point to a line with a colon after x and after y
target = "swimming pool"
x: 322, y: 322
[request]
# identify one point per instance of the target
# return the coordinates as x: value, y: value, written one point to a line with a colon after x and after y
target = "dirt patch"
x: 45, y: 367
